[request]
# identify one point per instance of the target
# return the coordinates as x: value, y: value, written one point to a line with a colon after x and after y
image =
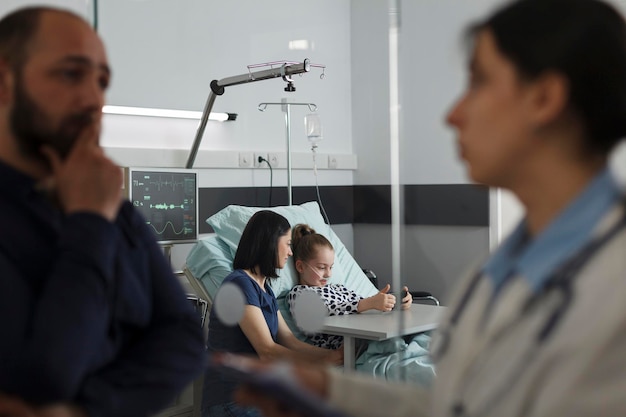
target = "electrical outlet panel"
x: 256, y: 162
x: 245, y: 160
x: 274, y: 159
x: 332, y: 162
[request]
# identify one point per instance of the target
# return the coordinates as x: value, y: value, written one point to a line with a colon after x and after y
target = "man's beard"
x: 33, y: 128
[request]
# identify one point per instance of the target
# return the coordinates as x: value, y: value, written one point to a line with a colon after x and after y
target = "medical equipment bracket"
x: 285, y: 70
x: 286, y: 107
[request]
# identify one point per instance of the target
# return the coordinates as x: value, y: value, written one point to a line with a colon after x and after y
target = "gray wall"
x: 432, y: 75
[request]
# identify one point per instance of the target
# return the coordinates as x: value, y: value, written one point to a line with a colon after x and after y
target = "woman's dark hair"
x: 305, y: 242
x: 583, y: 40
x: 258, y: 246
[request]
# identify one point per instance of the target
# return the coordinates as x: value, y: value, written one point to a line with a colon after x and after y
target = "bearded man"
x: 92, y: 320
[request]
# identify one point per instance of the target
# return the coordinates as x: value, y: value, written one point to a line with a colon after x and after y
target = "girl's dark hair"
x: 585, y: 41
x: 305, y: 242
x: 258, y: 246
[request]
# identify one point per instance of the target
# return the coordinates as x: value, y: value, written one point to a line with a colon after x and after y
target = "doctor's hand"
x: 86, y: 180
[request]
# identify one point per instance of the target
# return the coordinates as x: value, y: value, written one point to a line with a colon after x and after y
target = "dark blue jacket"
x: 90, y: 312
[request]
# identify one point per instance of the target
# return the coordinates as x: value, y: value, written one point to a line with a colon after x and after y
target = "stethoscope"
x: 560, y: 282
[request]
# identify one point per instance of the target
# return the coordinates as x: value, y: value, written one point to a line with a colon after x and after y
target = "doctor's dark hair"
x: 258, y: 246
x: 305, y: 242
x: 17, y: 30
x: 584, y: 41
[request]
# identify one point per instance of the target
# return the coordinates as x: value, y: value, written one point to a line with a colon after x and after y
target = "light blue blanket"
x: 395, y: 359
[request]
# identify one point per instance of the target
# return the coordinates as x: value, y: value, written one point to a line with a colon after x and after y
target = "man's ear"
x: 549, y: 98
x: 299, y: 266
x: 7, y: 80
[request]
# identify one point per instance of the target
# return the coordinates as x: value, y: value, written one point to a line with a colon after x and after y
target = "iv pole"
x: 217, y: 88
x: 286, y: 107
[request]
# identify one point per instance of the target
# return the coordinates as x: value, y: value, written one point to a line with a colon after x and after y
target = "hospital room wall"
x: 219, y: 50
x: 366, y: 55
x: 165, y: 142
x: 260, y: 36
x: 431, y: 76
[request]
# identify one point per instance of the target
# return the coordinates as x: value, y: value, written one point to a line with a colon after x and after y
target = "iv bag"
x: 313, y: 127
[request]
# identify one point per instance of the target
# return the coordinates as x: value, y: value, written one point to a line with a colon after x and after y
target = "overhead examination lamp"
x: 283, y: 69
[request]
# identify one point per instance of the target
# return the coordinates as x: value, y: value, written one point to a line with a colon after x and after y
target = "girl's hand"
x: 383, y: 301
x: 407, y: 301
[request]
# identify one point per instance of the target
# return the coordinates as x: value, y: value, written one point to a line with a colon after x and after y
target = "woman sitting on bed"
x: 314, y: 257
x: 264, y: 248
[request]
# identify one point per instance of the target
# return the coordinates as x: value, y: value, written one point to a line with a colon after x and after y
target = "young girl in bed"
x: 314, y: 257
x: 398, y: 358
x: 264, y: 248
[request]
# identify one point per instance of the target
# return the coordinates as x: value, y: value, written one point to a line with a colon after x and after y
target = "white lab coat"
x: 496, y: 368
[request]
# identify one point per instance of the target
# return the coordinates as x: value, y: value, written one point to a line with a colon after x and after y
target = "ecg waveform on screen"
x: 167, y: 200
x: 165, y: 206
x: 170, y: 224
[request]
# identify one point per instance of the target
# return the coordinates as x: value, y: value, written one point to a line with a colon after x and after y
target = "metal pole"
x: 200, y: 131
x: 286, y: 108
x: 288, y: 126
x: 217, y: 88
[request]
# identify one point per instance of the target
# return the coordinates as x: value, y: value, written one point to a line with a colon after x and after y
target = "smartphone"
x: 399, y: 298
x: 277, y: 382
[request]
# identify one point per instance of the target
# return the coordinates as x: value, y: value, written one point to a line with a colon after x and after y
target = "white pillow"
x: 229, y: 223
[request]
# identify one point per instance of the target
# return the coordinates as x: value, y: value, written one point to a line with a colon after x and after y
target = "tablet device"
x: 277, y: 382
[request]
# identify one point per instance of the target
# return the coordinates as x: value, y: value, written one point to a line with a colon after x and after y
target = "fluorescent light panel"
x: 301, y: 45
x: 178, y: 114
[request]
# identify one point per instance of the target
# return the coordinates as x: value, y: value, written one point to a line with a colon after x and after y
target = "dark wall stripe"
x: 443, y: 205
x: 337, y: 200
x: 372, y: 204
x: 453, y: 205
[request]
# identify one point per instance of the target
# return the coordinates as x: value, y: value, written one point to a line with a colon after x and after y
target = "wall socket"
x: 274, y: 159
x: 332, y: 162
x: 256, y: 162
x: 245, y: 160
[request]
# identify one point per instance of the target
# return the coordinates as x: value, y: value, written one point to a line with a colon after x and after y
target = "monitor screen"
x: 168, y: 200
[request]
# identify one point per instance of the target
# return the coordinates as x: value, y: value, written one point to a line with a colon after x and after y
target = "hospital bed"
x: 210, y: 261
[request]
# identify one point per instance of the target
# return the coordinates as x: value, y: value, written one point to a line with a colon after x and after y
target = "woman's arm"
x: 255, y: 328
x: 314, y: 353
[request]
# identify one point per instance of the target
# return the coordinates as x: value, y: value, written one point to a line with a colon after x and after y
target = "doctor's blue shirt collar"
x: 536, y: 259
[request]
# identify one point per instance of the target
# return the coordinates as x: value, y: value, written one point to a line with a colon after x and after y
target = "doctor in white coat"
x: 539, y: 329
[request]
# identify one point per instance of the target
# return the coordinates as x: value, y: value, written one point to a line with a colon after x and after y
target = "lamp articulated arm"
x: 217, y: 89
